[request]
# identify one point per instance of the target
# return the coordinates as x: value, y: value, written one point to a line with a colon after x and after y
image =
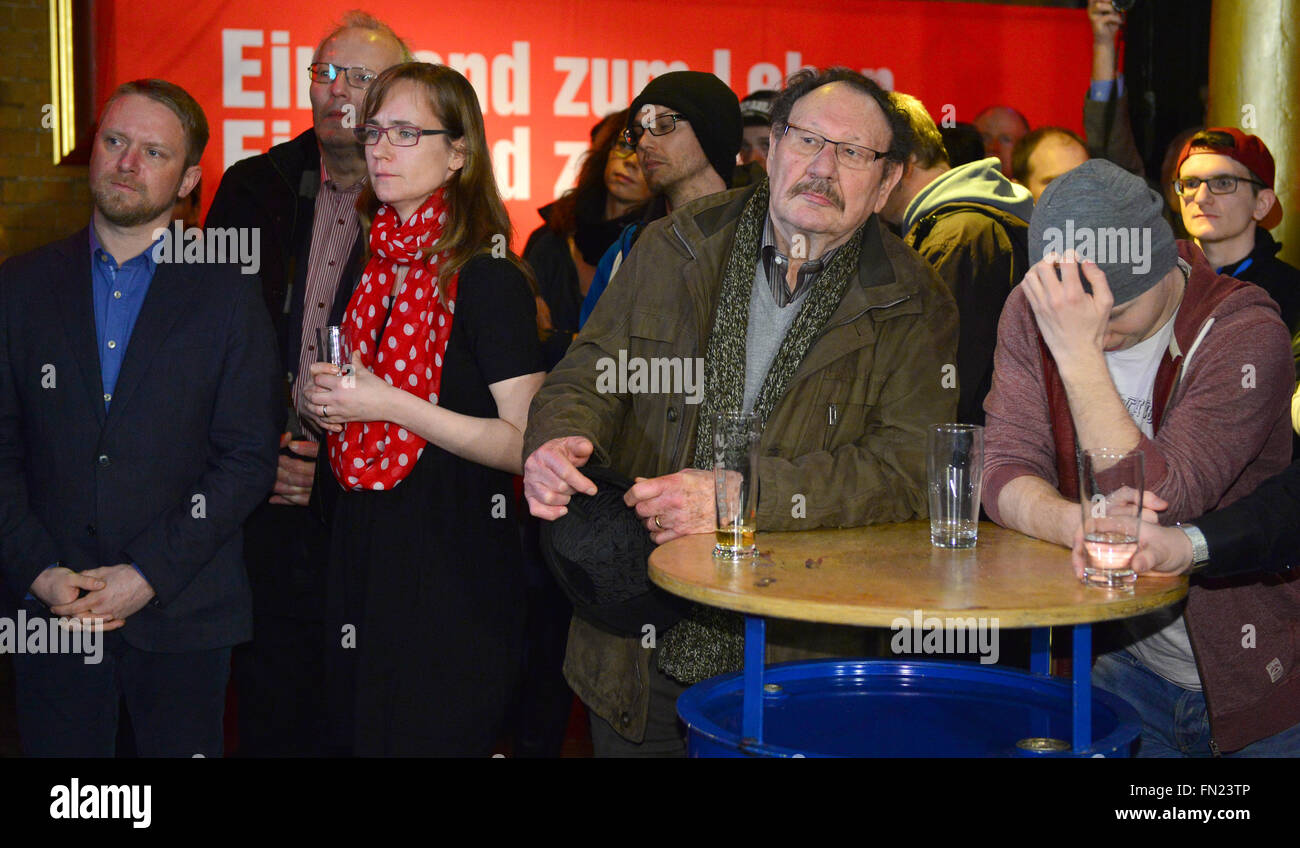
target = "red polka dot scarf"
x: 407, y: 353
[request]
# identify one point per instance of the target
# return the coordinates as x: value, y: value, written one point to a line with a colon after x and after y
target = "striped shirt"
x: 775, y: 263
x: 334, y: 231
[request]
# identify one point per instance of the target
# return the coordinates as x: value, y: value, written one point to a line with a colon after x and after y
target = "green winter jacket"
x: 844, y: 447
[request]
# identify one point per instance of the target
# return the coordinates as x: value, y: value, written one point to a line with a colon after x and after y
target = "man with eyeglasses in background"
x: 302, y: 196
x: 686, y: 128
x: 807, y: 312
x: 1225, y: 190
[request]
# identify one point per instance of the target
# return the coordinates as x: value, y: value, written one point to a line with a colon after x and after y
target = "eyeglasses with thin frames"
x: 661, y: 125
x: 808, y: 144
x: 1221, y: 184
x: 398, y: 136
x: 357, y: 76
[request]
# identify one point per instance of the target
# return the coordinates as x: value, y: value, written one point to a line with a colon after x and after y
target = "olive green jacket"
x: 844, y: 447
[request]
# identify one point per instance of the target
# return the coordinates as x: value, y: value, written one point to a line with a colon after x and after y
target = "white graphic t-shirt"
x: 1161, y: 637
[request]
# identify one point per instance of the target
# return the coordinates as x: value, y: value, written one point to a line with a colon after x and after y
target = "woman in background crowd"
x: 580, y: 226
x: 425, y: 587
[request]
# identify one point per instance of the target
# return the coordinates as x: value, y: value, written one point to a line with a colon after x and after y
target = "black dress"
x: 427, y: 576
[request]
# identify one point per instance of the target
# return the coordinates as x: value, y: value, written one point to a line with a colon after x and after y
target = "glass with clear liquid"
x: 955, y: 472
x: 1110, y: 494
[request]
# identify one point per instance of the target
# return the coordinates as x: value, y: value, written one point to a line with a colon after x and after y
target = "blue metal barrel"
x: 890, y: 708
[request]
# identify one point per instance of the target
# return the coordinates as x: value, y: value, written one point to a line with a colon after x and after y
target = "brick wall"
x: 39, y: 201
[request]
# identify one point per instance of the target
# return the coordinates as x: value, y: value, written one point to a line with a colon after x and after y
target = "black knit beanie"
x: 712, y: 108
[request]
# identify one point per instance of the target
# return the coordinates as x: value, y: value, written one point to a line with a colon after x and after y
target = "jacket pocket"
x: 655, y: 326
x: 841, y: 400
x: 662, y: 376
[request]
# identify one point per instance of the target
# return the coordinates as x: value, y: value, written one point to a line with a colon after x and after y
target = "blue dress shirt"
x: 119, y: 292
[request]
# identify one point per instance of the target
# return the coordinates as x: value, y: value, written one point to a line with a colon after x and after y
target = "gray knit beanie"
x: 1110, y: 217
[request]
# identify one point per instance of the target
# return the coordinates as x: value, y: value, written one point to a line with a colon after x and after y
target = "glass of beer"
x: 735, y: 483
x: 1110, y: 494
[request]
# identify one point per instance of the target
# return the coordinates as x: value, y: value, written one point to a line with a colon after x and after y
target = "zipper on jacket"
x: 1205, y: 687
x: 681, y: 430
x: 682, y: 239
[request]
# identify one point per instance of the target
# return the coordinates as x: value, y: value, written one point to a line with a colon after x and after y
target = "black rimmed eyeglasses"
x: 661, y: 125
x: 1221, y: 184
x: 398, y: 136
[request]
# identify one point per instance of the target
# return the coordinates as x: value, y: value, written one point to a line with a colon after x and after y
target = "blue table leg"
x: 1040, y: 650
x: 1082, y: 686
x: 755, y: 641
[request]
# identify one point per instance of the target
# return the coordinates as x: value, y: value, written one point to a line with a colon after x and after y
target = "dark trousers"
x: 69, y: 708
x: 545, y: 699
x: 280, y: 675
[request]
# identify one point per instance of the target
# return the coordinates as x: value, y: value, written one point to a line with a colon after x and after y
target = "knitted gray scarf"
x: 710, y: 641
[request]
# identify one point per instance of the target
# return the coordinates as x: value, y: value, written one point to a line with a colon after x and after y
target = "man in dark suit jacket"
x: 138, y: 403
x: 301, y: 197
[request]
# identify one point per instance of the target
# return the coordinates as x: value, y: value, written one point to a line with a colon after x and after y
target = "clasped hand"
x: 112, y: 594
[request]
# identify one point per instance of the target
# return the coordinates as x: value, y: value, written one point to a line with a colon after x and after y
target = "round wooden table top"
x: 871, y: 576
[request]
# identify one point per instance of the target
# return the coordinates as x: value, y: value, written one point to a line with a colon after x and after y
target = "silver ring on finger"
x: 324, y: 410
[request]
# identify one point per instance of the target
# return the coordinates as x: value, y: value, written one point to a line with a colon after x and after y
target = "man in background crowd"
x: 301, y: 196
x: 1044, y: 154
x: 1001, y: 127
x: 1225, y: 189
x: 686, y: 128
x: 971, y: 223
x: 756, y: 112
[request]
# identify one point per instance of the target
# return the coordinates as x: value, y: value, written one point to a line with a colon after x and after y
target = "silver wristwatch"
x: 1200, y: 548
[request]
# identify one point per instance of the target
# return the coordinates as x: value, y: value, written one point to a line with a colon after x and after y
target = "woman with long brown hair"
x: 425, y: 589
x: 610, y: 193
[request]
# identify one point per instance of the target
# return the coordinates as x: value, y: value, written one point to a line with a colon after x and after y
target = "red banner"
x: 545, y: 72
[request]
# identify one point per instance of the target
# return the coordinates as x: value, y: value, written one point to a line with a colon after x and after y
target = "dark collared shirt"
x: 775, y: 264
x: 118, y: 292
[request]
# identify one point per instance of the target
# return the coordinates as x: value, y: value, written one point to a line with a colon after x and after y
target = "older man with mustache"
x: 807, y: 312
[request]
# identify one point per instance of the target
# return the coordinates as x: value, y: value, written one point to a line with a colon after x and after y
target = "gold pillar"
x: 1255, y: 85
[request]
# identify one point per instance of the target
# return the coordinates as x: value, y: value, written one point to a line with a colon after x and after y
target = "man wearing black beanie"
x: 682, y: 123
x: 686, y: 128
